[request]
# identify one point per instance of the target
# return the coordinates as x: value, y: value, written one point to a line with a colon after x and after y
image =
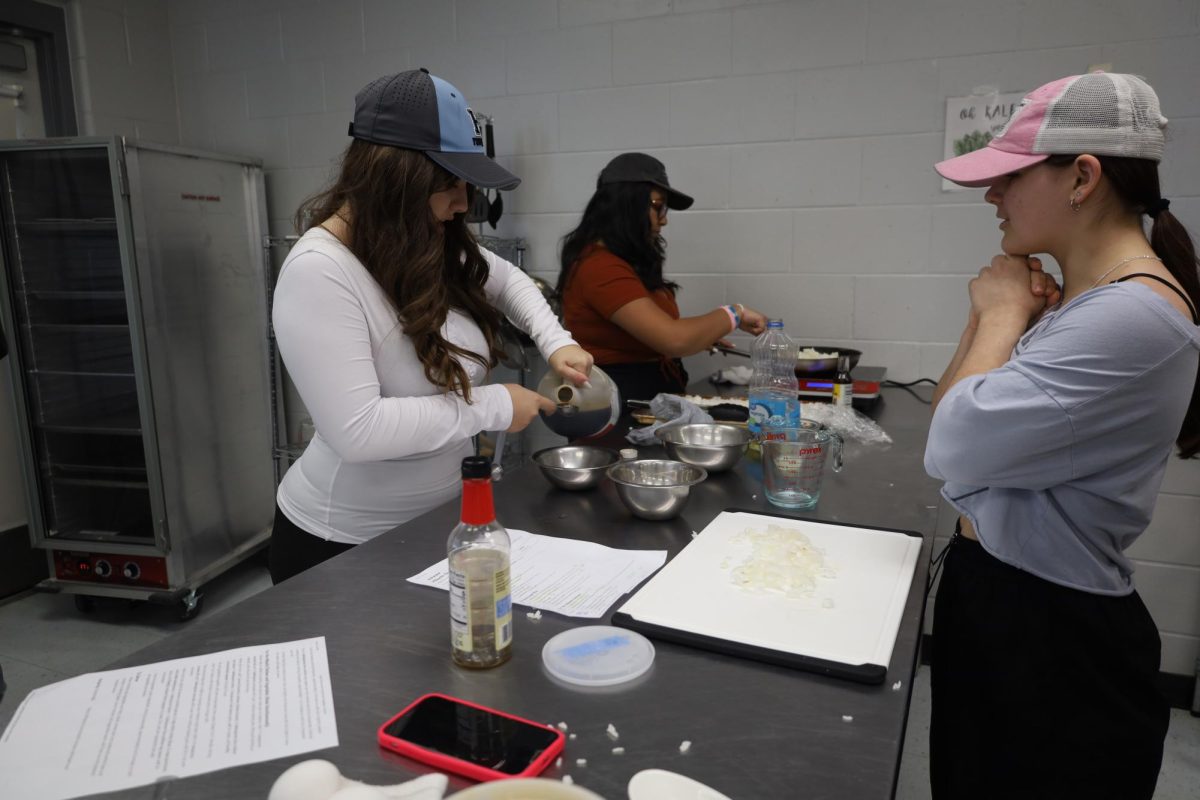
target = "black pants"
x: 294, y: 549
x: 1040, y: 691
x: 643, y: 380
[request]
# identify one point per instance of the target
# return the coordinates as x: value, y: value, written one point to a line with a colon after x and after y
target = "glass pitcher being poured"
x: 581, y: 411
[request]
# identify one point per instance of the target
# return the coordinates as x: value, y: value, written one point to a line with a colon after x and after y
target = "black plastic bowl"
x: 807, y: 367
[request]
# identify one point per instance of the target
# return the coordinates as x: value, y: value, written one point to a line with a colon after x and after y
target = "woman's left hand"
x: 1004, y: 287
x: 572, y: 362
x: 752, y: 321
x: 1043, y: 283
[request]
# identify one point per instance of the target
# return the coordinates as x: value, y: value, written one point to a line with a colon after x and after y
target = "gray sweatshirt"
x: 1057, y: 456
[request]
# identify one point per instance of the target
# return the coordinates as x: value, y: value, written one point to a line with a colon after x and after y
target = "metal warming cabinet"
x: 135, y: 298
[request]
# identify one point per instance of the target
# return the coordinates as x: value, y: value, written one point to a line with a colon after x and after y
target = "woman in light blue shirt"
x: 1052, y: 429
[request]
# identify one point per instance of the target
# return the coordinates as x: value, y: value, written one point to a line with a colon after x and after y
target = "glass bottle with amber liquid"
x: 481, y: 627
x: 843, y: 384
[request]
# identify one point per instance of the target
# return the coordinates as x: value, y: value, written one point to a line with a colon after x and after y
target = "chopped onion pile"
x: 781, y: 560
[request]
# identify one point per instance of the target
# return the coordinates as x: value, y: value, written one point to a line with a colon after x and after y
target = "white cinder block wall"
x: 121, y: 67
x: 806, y: 131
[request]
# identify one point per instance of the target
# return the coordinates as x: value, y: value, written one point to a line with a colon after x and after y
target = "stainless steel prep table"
x: 758, y: 731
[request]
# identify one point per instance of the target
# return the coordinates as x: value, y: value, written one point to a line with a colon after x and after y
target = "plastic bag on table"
x: 738, y: 376
x: 852, y: 425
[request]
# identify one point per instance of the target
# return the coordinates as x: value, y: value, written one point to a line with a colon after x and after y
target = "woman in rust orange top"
x: 616, y: 302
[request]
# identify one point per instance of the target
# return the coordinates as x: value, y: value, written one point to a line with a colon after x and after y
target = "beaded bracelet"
x: 734, y: 317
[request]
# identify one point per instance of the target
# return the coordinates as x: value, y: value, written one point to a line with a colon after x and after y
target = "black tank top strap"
x: 1169, y: 285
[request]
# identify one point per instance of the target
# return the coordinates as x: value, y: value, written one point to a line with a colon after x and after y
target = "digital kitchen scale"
x: 867, y: 383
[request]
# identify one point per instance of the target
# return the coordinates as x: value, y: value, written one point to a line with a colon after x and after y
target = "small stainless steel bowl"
x: 655, y: 488
x: 711, y: 445
x: 575, y: 466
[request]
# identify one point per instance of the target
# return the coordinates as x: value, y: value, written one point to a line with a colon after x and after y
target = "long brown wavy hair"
x: 426, y: 267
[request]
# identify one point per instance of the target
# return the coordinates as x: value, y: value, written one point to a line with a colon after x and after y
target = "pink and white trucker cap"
x: 1101, y: 113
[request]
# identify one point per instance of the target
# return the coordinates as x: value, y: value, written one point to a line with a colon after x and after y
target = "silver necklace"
x: 1122, y: 263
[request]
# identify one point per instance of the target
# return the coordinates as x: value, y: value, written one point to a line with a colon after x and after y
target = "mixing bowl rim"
x: 689, y: 483
x: 659, y: 434
x: 616, y: 457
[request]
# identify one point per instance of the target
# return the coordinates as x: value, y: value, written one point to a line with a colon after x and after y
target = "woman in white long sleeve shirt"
x: 387, y: 316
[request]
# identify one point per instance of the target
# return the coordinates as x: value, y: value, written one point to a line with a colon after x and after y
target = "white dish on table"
x: 660, y: 784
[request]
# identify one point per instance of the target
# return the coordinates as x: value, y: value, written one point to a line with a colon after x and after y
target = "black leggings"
x: 294, y: 549
x: 1040, y: 691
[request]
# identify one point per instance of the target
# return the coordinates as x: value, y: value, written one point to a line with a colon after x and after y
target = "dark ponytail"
x: 1136, y: 183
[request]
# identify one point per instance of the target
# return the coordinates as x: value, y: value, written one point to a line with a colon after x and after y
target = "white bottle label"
x: 460, y: 630
x: 504, y: 626
x: 843, y: 393
x: 772, y: 412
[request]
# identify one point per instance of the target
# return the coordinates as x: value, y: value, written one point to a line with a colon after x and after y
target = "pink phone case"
x: 448, y: 763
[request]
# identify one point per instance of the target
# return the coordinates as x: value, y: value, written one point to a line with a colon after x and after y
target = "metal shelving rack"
x: 132, y: 284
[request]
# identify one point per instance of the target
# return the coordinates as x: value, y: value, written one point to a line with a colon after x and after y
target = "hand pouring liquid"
x: 581, y: 411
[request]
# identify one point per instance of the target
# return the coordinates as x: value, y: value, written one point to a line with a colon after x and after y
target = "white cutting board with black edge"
x: 845, y: 627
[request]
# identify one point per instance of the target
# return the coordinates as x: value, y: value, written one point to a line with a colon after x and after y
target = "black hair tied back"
x: 1157, y: 207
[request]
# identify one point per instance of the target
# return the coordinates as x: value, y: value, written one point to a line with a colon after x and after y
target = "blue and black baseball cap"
x: 419, y: 111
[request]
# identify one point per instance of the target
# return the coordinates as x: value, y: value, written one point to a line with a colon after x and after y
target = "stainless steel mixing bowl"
x: 655, y: 488
x: 575, y: 466
x: 711, y: 445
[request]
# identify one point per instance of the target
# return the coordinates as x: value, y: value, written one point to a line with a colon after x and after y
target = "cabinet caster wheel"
x: 85, y: 603
x: 190, y: 606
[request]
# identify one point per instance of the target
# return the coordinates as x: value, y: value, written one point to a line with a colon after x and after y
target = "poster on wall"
x: 972, y: 121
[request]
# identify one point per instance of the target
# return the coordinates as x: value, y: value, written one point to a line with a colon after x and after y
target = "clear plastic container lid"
x: 598, y: 655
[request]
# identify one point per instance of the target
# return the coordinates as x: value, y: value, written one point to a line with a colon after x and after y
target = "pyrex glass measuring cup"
x: 794, y: 465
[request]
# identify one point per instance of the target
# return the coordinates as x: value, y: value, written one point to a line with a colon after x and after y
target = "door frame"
x: 46, y: 26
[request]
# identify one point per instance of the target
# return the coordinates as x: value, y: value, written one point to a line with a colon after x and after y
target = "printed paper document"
x: 129, y: 727
x: 578, y: 579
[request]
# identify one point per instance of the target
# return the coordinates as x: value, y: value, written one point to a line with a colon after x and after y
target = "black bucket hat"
x: 641, y: 168
x: 419, y: 111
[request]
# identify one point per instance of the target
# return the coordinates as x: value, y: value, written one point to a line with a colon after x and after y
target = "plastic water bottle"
x: 774, y: 400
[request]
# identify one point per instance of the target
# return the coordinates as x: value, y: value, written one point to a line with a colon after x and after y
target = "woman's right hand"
x: 526, y: 405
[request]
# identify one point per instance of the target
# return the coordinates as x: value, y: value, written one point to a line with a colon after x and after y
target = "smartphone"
x: 472, y: 740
